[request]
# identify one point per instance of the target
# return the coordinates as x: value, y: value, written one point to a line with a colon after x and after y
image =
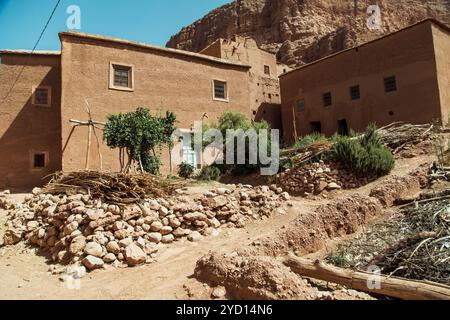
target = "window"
x: 301, y: 105
x: 39, y: 160
x: 267, y: 70
x: 327, y: 99
x: 42, y: 96
x: 390, y: 84
x: 121, y: 77
x: 220, y: 90
x: 355, y: 93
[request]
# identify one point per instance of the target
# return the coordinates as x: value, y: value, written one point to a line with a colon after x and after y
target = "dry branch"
x: 390, y: 286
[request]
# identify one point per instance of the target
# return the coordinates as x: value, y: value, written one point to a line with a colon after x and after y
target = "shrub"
x: 238, y: 121
x: 209, y: 173
x: 363, y: 156
x: 137, y: 135
x: 309, y: 139
x: 185, y: 170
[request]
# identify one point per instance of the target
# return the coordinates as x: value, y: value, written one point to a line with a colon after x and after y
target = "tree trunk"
x: 389, y: 286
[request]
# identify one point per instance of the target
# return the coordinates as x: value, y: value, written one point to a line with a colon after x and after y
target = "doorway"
x: 316, y: 127
x: 343, y: 127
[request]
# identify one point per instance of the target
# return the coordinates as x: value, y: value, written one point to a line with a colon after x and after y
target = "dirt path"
x: 25, y: 275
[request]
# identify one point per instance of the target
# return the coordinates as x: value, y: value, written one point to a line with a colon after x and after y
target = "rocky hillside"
x: 302, y: 31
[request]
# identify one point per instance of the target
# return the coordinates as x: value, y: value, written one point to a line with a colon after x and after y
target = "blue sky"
x: 148, y: 21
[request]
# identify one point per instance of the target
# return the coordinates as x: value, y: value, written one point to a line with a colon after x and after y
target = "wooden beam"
x: 390, y: 286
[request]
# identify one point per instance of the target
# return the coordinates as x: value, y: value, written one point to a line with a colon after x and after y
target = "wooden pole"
x: 390, y: 286
x: 88, y: 152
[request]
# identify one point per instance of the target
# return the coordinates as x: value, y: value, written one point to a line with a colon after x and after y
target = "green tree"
x: 137, y: 135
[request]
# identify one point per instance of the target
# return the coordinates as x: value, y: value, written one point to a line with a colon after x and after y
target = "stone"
x: 71, y: 227
x: 94, y: 215
x: 216, y: 202
x: 219, y: 293
x: 77, y: 245
x: 179, y: 232
x: 156, y: 226
x: 333, y: 186
x: 12, y: 237
x: 195, y: 216
x: 222, y: 191
x: 155, y: 237
x: 93, y: 263
x: 168, y: 238
x: 32, y: 225
x: 109, y: 258
x: 134, y: 255
x: 125, y: 242
x: 195, y: 236
x: 166, y: 230
x: 113, y: 247
x: 285, y: 196
x: 94, y: 249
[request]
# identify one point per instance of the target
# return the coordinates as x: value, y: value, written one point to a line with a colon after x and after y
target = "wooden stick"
x: 390, y: 286
x: 88, y: 152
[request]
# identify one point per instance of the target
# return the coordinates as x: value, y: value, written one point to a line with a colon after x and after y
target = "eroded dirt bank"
x: 24, y: 275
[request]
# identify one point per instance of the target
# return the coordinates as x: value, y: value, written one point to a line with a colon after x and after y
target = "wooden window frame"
x: 324, y: 98
x: 33, y: 153
x: 354, y: 98
x: 112, y: 86
x: 49, y: 96
x: 301, y: 105
x: 385, y: 82
x: 227, y: 93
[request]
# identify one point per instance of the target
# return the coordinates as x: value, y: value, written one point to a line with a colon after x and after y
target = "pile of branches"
x: 425, y: 254
x: 298, y: 156
x: 115, y: 188
x: 397, y: 135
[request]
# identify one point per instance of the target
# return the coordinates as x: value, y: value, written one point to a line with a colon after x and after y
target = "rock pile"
x: 80, y: 229
x: 317, y: 178
x: 5, y: 202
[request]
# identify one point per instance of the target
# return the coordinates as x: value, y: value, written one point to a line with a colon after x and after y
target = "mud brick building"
x: 404, y: 76
x: 113, y: 76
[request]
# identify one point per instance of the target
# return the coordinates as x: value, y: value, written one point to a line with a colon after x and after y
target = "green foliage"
x: 238, y: 121
x: 185, y: 170
x: 363, y: 156
x: 209, y: 173
x: 309, y: 139
x: 137, y: 134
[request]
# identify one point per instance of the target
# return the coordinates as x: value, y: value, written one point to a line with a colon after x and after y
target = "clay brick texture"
x: 356, y: 87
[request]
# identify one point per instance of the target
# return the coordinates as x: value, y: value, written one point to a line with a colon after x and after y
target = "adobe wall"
x: 265, y: 89
x: 442, y: 50
x: 163, y: 81
x: 408, y: 54
x: 25, y: 128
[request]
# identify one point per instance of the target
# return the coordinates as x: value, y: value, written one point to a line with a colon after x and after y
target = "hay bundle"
x: 114, y: 188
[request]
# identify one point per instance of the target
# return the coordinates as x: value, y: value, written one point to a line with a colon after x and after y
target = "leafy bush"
x: 137, y: 135
x: 309, y: 139
x: 238, y: 121
x: 209, y: 173
x: 363, y: 156
x: 185, y: 170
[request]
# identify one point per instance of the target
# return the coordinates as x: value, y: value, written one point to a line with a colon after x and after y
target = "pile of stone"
x: 79, y: 229
x: 5, y: 202
x: 318, y: 177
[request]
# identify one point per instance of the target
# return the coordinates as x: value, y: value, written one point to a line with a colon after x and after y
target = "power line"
x: 32, y: 51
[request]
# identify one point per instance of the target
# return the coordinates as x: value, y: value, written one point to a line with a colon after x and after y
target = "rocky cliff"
x: 301, y: 31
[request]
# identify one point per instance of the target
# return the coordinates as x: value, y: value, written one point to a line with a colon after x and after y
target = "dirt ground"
x: 25, y: 275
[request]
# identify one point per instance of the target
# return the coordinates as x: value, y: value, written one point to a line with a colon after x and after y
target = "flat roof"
x: 152, y: 47
x: 36, y: 52
x: 432, y: 20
